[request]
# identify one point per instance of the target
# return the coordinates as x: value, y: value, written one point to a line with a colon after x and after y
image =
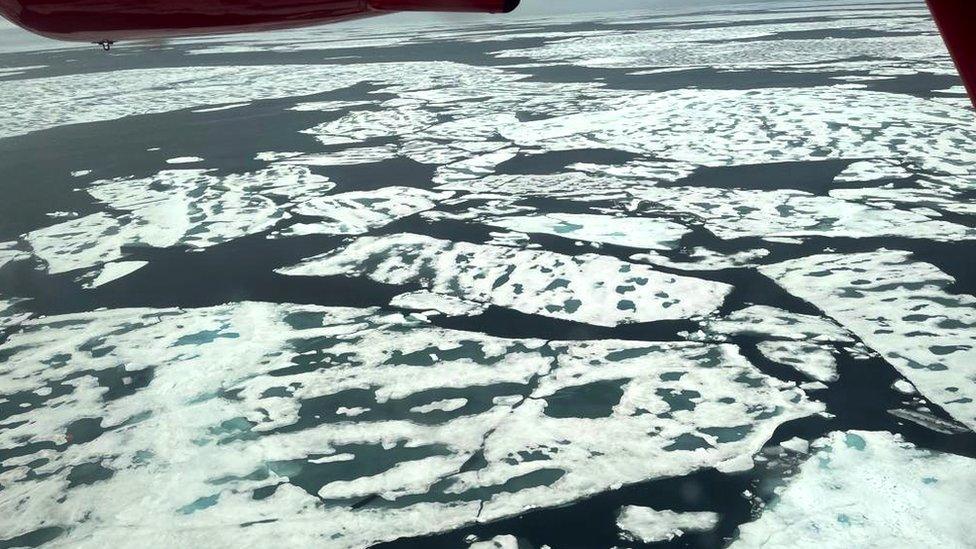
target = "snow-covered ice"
x: 591, y: 288
x: 901, y: 308
x: 870, y: 489
x: 650, y: 525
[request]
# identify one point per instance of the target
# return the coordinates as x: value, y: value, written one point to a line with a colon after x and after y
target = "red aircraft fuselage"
x: 114, y: 20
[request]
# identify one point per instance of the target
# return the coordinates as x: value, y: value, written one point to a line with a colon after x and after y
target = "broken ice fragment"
x: 536, y: 282
x: 649, y: 525
x: 870, y: 489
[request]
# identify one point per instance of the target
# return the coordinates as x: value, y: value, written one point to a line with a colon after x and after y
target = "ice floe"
x: 731, y: 47
x: 613, y: 412
x: 870, y: 489
x: 77, y: 244
x: 185, y: 160
x: 281, y: 417
x: 650, y: 525
x: 903, y: 387
x: 358, y: 212
x: 867, y: 170
x: 632, y: 232
x: 590, y: 288
x: 901, y: 308
x: 9, y: 253
x: 11, y: 314
x: 448, y: 405
x: 774, y: 323
x: 507, y: 541
x: 430, y: 302
x: 796, y: 445
x: 114, y: 271
x: 390, y: 122
x: 733, y: 213
x: 195, y: 208
x: 733, y: 127
x: 571, y: 185
x: 175, y: 207
x: 703, y: 259
x: 817, y: 362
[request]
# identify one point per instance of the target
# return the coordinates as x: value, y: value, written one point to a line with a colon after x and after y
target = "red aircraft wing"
x: 956, y: 20
x: 107, y: 21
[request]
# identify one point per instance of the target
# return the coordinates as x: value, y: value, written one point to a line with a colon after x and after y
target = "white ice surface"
x: 184, y: 160
x: 870, y: 490
x: 731, y: 213
x: 817, y: 362
x: 649, y: 525
x: 198, y: 209
x: 498, y: 542
x: 186, y: 424
x: 9, y: 254
x: 447, y: 405
x: 425, y: 301
x: 358, y: 212
x: 114, y: 271
x: 594, y: 289
x: 77, y: 244
x: 774, y: 323
x: 632, y: 232
x: 903, y: 309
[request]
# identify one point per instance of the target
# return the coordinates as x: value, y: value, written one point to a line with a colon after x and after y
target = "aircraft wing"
x: 107, y: 21
x: 956, y: 20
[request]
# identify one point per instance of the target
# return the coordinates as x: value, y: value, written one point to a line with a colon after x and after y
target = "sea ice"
x: 774, y: 323
x: 359, y: 212
x: 650, y: 525
x: 817, y: 362
x: 901, y: 308
x: 114, y: 271
x: 240, y: 415
x: 870, y: 489
x: 9, y: 254
x: 427, y: 302
x: 632, y: 232
x: 198, y: 209
x: 185, y: 160
x: 595, y: 289
x: 498, y: 542
x: 78, y: 244
x: 733, y: 213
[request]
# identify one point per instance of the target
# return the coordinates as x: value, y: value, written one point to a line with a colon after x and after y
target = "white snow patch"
x: 497, y: 542
x: 447, y: 405
x: 870, y: 489
x: 763, y: 320
x: 184, y: 160
x: 258, y: 439
x: 114, y: 271
x: 633, y: 232
x: 595, y: 289
x: 902, y: 309
x: 903, y: 387
x: 796, y: 445
x: 428, y: 302
x: 358, y: 212
x: 816, y: 362
x: 649, y: 525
